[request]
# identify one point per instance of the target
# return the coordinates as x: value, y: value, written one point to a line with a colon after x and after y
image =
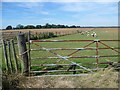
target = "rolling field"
x: 102, y: 34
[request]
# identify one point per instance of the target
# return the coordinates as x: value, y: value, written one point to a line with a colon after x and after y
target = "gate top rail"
x: 69, y: 40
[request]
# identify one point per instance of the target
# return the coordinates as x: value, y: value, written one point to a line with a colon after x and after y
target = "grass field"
x: 100, y: 79
x: 102, y: 34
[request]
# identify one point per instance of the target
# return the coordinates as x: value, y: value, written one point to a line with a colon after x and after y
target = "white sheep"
x: 94, y: 34
x: 88, y: 33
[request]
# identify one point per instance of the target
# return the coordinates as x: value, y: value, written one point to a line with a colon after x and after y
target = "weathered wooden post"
x: 6, y: 56
x: 29, y: 62
x: 23, y: 53
x: 10, y: 58
x: 14, y: 56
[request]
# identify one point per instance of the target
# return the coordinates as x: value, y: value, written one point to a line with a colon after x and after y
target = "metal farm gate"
x: 43, y: 68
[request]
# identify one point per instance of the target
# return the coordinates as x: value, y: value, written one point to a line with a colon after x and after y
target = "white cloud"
x: 45, y: 13
x: 73, y: 7
x: 30, y: 5
x: 77, y: 7
x: 99, y: 21
x: 35, y: 7
x: 60, y: 0
x: 99, y: 7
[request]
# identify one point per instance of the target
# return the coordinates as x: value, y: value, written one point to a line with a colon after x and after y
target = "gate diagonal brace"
x: 65, y: 58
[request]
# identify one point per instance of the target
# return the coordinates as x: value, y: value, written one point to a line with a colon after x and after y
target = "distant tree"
x: 19, y: 26
x: 9, y: 27
x: 38, y: 26
x: 29, y: 27
x: 47, y: 25
x: 73, y: 26
x: 66, y: 26
x: 62, y: 26
x: 58, y: 26
x: 78, y: 26
x: 54, y: 26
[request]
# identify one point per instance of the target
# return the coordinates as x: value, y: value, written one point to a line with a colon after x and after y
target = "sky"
x: 67, y: 13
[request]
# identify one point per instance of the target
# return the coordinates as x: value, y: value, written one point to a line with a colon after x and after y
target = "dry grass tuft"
x: 101, y: 79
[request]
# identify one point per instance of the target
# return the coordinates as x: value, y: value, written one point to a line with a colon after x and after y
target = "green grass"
x: 101, y: 35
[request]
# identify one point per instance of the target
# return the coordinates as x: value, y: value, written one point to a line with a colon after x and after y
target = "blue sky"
x: 68, y: 13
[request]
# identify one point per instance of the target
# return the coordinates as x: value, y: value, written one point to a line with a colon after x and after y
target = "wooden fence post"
x: 10, y: 58
x: 6, y: 56
x: 29, y: 62
x: 14, y: 55
x: 23, y: 53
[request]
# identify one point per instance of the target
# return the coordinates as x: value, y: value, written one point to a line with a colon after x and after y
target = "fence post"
x: 23, y: 53
x: 6, y: 56
x: 29, y: 62
x: 10, y: 58
x: 14, y: 55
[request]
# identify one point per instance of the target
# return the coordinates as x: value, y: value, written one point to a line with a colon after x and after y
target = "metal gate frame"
x: 73, y: 65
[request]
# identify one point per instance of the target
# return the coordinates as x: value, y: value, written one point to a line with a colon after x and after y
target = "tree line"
x: 47, y: 25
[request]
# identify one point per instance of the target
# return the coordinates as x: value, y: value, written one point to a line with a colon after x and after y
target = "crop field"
x: 11, y: 34
x: 49, y: 30
x: 102, y: 34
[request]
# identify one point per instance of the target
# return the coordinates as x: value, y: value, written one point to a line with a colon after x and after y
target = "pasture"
x: 95, y: 80
x: 102, y: 34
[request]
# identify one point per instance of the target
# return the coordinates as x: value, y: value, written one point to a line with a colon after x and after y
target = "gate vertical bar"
x: 97, y: 54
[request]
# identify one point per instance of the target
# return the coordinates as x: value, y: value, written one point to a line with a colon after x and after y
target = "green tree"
x: 29, y: 27
x: 9, y: 27
x: 53, y: 26
x: 66, y: 26
x: 19, y: 26
x: 73, y: 26
x: 47, y: 25
x: 38, y: 26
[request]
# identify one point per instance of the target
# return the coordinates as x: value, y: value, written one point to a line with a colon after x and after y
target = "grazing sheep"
x: 88, y: 33
x: 82, y: 33
x: 94, y: 34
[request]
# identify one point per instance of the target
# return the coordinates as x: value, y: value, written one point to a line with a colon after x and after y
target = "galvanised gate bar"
x: 74, y: 64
